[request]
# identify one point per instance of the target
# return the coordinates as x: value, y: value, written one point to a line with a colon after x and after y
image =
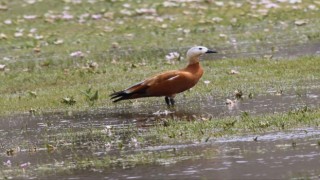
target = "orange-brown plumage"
x: 169, y: 83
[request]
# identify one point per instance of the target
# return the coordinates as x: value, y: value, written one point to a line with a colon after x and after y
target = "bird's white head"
x: 195, y: 52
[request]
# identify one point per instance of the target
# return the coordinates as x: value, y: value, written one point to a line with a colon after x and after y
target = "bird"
x: 168, y: 83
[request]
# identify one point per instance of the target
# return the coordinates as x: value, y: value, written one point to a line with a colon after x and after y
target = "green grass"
x: 51, y: 85
x: 131, y: 47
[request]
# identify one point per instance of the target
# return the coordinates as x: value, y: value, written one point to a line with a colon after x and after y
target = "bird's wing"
x: 158, y: 79
x: 161, y: 78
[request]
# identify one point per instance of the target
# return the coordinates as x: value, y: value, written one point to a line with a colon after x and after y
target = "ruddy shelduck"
x: 169, y: 83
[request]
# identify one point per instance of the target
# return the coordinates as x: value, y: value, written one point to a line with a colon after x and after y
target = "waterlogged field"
x: 256, y: 109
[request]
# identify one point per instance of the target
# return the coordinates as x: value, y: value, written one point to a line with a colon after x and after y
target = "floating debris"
x: 223, y: 36
x: 230, y: 102
x: 58, y: 41
x: 165, y: 112
x: 11, y: 152
x: 33, y: 94
x: 300, y: 22
x: 8, y: 21
x: 77, y: 54
x: 66, y: 16
x: 36, y: 49
x: 295, y: 1
x: 234, y: 71
x: 7, y: 163
x: 50, y: 147
x: 279, y: 93
x: 3, y: 7
x: 68, y: 100
x: 2, y: 67
x: 108, y: 29
x: 30, y: 17
x: 172, y: 57
x: 206, y: 82
x: 216, y: 19
x: 93, y: 65
x: 149, y: 11
x: 115, y: 45
x: 238, y: 94
x: 24, y: 165
x: 3, y: 36
x: 18, y: 34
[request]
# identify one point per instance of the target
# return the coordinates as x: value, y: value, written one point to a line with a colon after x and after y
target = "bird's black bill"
x: 211, y: 51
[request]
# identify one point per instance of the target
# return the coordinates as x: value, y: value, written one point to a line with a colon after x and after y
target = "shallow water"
x: 31, y: 125
x: 272, y: 156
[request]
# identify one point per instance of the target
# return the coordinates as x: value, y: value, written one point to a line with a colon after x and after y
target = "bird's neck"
x: 193, y: 60
x: 193, y: 68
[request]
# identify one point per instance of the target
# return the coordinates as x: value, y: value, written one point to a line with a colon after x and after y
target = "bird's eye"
x: 200, y: 48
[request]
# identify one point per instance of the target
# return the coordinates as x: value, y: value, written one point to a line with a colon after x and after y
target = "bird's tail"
x: 136, y: 91
x: 120, y: 95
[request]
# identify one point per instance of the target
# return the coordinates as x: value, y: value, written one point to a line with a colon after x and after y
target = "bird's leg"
x: 167, y: 101
x: 171, y: 101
